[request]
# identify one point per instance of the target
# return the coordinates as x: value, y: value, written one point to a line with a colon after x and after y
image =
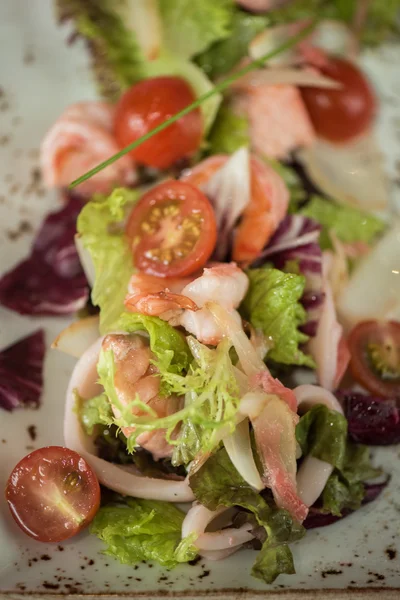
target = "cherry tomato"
x: 339, y: 115
x: 173, y: 230
x: 148, y: 104
x: 375, y: 356
x: 52, y: 494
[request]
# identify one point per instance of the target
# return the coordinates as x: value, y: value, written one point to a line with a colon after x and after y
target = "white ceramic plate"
x: 39, y: 77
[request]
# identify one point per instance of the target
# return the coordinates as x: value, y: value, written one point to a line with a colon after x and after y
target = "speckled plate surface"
x: 358, y: 557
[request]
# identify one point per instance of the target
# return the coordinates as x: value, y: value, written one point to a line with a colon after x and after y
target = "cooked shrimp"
x: 269, y: 200
x: 222, y: 283
x: 279, y: 122
x: 261, y: 218
x: 136, y: 376
x: 78, y: 141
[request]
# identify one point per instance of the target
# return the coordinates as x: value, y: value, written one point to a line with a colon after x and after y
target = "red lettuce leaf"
x: 295, y: 248
x: 21, y: 372
x: 372, y: 420
x: 51, y: 280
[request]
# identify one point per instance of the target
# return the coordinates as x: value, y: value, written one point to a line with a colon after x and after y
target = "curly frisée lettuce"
x: 272, y: 306
x: 102, y: 235
x: 211, y: 400
x: 135, y: 530
x: 217, y: 483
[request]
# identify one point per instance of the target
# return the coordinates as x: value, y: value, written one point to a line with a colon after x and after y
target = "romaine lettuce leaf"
x: 217, y: 483
x: 191, y: 26
x: 349, y: 224
x: 102, y: 234
x: 225, y: 54
x: 143, y: 530
x: 117, y: 60
x: 229, y: 132
x: 272, y: 306
x: 322, y: 433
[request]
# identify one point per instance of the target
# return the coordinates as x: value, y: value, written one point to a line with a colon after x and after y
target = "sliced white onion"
x: 238, y: 447
x: 250, y: 362
x: 351, y: 173
x: 84, y: 380
x: 268, y: 40
x: 286, y: 76
x: 143, y: 17
x: 373, y: 291
x: 308, y: 395
x: 86, y: 260
x: 311, y: 479
x: 313, y: 473
x: 335, y: 37
x: 78, y: 337
x: 218, y: 554
x: 197, y: 520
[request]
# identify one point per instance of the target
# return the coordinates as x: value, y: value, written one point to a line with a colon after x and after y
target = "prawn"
x: 279, y: 121
x: 79, y: 140
x: 269, y: 201
x: 185, y: 304
x: 135, y: 375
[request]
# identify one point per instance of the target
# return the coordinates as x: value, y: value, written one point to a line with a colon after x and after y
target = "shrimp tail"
x: 156, y: 304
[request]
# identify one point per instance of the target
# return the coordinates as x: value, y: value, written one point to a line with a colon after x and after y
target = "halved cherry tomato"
x: 173, y: 230
x: 339, y: 115
x: 52, y: 494
x: 375, y: 356
x: 148, y: 104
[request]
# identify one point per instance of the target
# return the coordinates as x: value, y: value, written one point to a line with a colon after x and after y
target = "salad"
x: 233, y: 357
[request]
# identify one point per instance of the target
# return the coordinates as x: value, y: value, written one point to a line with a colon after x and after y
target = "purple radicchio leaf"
x: 317, y: 518
x: 297, y: 240
x: 21, y: 377
x: 50, y: 281
x: 372, y: 420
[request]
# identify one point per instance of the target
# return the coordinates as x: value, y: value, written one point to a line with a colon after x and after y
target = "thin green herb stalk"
x: 219, y: 87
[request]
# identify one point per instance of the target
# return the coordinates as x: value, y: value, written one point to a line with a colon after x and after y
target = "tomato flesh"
x: 340, y: 115
x: 375, y: 356
x: 172, y: 230
x: 52, y: 494
x: 148, y: 104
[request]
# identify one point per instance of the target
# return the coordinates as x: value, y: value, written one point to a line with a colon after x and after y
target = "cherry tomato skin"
x: 148, y: 104
x: 172, y: 230
x: 340, y: 115
x: 370, y: 335
x: 52, y: 494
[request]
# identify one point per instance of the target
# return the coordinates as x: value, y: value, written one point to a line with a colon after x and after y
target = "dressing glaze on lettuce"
x: 21, y: 372
x: 50, y: 281
x: 217, y: 483
x: 136, y: 530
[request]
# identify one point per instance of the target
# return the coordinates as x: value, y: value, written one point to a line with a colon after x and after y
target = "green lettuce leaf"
x: 322, y: 433
x: 217, y: 483
x: 143, y: 530
x: 95, y: 411
x: 225, y: 54
x: 229, y: 132
x: 211, y: 398
x: 191, y: 26
x: 117, y: 60
x: 169, y: 346
x: 349, y: 224
x: 382, y: 22
x: 100, y: 228
x: 272, y: 306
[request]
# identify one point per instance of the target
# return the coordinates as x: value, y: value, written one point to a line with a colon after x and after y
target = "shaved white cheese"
x: 78, y: 337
